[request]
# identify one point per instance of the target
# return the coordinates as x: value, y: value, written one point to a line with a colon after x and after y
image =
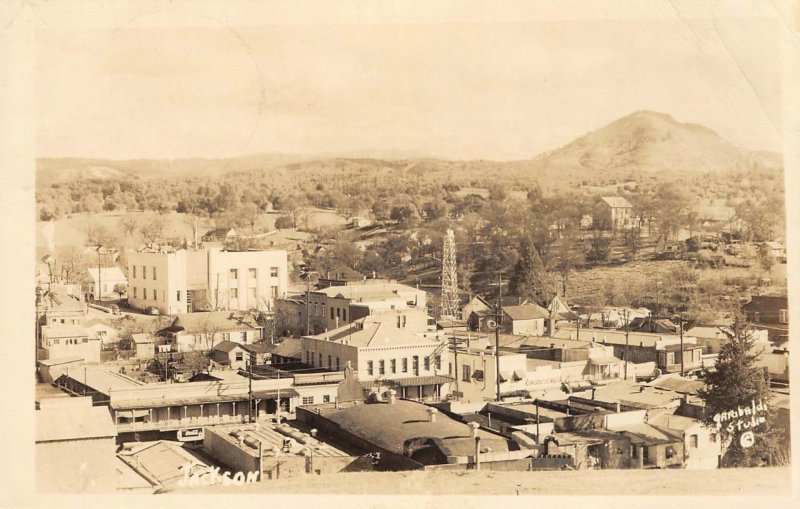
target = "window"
x: 155, y: 294
x: 239, y: 356
x: 273, y: 271
x: 344, y: 315
x: 398, y: 322
x: 326, y: 398
x: 244, y: 336
x: 393, y: 366
x: 332, y: 313
x: 405, y: 365
x: 782, y: 318
x: 144, y: 272
x: 465, y: 373
x: 273, y: 290
x: 693, y: 441
x: 308, y: 400
x: 670, y: 452
x: 254, y: 293
x: 756, y: 316
x: 320, y: 360
x: 329, y: 362
x: 438, y: 362
x: 415, y: 364
x: 226, y: 336
x: 55, y: 342
x: 85, y: 340
x: 426, y: 363
x: 154, y: 274
x: 134, y: 271
x: 252, y: 274
x: 369, y: 368
x: 62, y: 321
x: 234, y: 293
x: 337, y: 364
x: 179, y: 296
x: 234, y: 273
x: 381, y: 367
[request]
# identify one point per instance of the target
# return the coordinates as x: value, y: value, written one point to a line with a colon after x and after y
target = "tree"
x: 129, y: 225
x: 765, y: 258
x: 737, y: 384
x: 284, y: 222
x: 73, y: 264
x: 153, y: 229
x: 120, y: 289
x: 529, y: 278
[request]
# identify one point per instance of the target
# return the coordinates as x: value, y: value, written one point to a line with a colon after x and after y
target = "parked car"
x: 151, y: 310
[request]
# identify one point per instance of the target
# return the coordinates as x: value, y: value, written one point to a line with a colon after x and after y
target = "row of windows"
x: 252, y: 273
x: 426, y: 365
x: 154, y: 294
x: 309, y: 400
x: 69, y: 341
x: 64, y: 321
x: 310, y: 360
x: 144, y: 272
x: 253, y: 292
x: 343, y: 314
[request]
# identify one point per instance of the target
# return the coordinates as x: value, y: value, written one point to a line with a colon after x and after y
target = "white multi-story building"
x: 211, y: 280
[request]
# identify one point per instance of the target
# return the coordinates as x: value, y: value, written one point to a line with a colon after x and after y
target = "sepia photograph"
x: 401, y: 248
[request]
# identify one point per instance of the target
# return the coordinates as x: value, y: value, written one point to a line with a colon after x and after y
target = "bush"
x: 284, y: 222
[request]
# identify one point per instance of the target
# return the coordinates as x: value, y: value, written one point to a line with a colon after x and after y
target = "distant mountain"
x: 653, y: 142
x: 644, y: 141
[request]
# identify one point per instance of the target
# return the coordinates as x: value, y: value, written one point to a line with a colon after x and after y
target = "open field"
x: 764, y: 481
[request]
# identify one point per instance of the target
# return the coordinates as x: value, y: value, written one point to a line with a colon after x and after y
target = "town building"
x: 228, y: 353
x: 769, y: 312
x: 75, y: 447
x: 64, y: 341
x: 144, y: 345
x: 475, y: 374
x: 104, y: 283
x: 407, y: 435
x: 390, y: 349
x: 184, y: 281
x: 202, y: 331
x: 334, y: 306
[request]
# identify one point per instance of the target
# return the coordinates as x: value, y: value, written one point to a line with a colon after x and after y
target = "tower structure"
x: 449, y: 277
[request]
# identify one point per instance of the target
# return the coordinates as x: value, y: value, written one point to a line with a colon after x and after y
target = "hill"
x: 654, y: 142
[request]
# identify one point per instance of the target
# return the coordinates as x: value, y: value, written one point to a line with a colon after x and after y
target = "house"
x: 701, y: 445
x: 771, y: 313
x: 104, y: 282
x: 230, y: 354
x: 185, y: 281
x: 202, y: 331
x: 663, y: 350
x: 527, y: 319
x: 390, y: 349
x: 359, y: 222
x: 767, y: 309
x: 289, y: 350
x: 617, y: 213
x: 713, y: 337
x: 69, y: 341
x: 75, y: 447
x: 58, y: 307
x: 476, y: 303
x: 101, y: 331
x: 144, y: 345
x: 219, y: 235
x: 776, y: 250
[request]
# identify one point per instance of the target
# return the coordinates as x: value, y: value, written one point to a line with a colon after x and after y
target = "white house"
x: 104, y: 280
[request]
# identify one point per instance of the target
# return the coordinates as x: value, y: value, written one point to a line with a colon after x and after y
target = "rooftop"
x: 616, y: 337
x: 72, y: 419
x: 289, y: 347
x: 365, y: 292
x: 160, y: 462
x: 374, y: 331
x: 389, y: 426
x: 617, y: 201
x: 526, y: 312
x: 63, y: 331
x: 208, y: 321
x: 106, y: 274
x: 272, y: 439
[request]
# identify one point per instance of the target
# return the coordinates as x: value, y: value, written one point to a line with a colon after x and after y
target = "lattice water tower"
x: 449, y: 277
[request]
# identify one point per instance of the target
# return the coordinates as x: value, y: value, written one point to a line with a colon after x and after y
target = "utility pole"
x: 627, y: 333
x: 498, y: 316
x: 681, y: 329
x: 250, y: 388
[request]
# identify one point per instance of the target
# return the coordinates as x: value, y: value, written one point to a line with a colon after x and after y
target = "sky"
x: 186, y: 81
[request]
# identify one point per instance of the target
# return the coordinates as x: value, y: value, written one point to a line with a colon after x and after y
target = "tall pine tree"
x: 737, y: 382
x: 529, y: 279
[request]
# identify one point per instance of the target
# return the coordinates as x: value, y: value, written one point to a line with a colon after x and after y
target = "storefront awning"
x: 604, y: 360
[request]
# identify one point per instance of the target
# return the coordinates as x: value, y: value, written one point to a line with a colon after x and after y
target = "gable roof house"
x: 527, y: 319
x: 102, y: 282
x: 203, y: 330
x: 618, y: 212
x: 770, y: 312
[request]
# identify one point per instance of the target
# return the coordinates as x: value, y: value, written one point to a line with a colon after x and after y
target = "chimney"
x: 393, y: 397
x: 473, y: 429
x: 432, y: 414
